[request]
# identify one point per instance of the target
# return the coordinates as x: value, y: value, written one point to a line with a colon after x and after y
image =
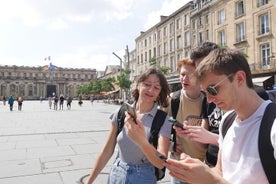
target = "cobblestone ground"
x: 46, y: 146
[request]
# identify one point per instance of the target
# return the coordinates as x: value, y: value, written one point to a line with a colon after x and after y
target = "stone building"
x: 247, y: 25
x: 35, y: 82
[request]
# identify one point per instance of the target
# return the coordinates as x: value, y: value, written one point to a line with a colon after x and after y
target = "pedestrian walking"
x: 20, y: 103
x: 50, y: 102
x: 55, y: 102
x: 4, y: 100
x: 69, y: 101
x: 11, y: 101
x: 61, y: 101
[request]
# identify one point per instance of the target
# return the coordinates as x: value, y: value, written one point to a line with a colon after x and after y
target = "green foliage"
x: 127, y: 71
x: 165, y: 69
x: 123, y: 82
x: 97, y: 86
x: 152, y: 61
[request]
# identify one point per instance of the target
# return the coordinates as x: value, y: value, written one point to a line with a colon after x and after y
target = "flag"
x: 52, y: 67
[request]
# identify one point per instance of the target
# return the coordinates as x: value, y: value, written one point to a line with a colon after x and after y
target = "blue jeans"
x: 123, y: 173
x: 175, y: 181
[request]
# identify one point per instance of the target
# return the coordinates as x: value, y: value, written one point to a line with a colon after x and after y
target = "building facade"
x: 246, y: 25
x: 35, y: 82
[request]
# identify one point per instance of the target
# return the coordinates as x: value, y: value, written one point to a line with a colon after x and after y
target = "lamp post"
x: 121, y: 62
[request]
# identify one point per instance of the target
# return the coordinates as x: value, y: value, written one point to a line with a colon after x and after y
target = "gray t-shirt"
x: 128, y: 151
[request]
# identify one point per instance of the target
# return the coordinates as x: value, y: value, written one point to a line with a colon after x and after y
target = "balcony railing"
x: 257, y: 68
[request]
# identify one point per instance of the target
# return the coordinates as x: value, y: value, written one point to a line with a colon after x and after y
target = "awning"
x: 174, y: 81
x: 260, y: 80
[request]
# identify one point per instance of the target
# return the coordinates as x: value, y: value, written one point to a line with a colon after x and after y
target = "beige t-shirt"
x: 188, y: 106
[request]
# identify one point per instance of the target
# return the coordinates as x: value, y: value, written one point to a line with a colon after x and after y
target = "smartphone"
x: 163, y: 157
x: 131, y: 110
x: 174, y: 122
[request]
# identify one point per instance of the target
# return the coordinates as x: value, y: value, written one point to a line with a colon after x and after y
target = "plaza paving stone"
x: 46, y: 146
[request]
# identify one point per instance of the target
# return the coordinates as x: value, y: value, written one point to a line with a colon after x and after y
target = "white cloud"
x: 34, y: 29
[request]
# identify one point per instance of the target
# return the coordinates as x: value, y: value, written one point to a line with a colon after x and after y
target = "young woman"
x: 136, y: 157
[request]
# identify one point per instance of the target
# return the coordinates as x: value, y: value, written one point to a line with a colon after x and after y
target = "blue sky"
x: 75, y: 33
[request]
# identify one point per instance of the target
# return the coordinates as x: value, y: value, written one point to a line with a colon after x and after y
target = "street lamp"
x: 121, y: 62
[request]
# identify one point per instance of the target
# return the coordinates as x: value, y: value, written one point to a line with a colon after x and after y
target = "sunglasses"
x: 212, y: 90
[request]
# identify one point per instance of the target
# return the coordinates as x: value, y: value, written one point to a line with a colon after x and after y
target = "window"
x: 207, y: 19
x: 207, y: 34
x: 146, y: 56
x: 150, y: 54
x: 171, y: 45
x: 239, y: 8
x: 166, y: 62
x: 194, y: 40
x: 149, y: 40
x: 179, y: 56
x: 172, y: 63
x: 264, y: 24
x: 165, y: 31
x: 199, y: 23
x: 154, y: 37
x: 154, y: 52
x: 187, y: 53
x: 262, y: 2
x: 240, y: 32
x: 172, y: 28
x: 145, y: 42
x: 221, y: 17
x: 265, y: 54
x: 178, y: 23
x: 200, y: 38
x: 159, y: 51
x: 179, y: 42
x: 142, y: 58
x: 159, y: 35
x: 222, y: 38
x: 165, y: 48
x: 193, y: 24
x: 187, y: 38
x: 186, y: 20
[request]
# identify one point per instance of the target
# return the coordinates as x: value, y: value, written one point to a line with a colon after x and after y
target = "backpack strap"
x: 157, y: 123
x: 175, y: 100
x: 266, y: 150
x: 228, y: 121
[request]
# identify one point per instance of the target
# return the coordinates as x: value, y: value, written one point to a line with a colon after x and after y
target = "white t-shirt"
x: 239, y: 149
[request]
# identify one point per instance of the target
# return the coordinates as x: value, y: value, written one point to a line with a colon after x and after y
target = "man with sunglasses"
x: 211, y: 114
x: 226, y: 78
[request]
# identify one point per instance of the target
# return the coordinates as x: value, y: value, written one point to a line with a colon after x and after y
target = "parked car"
x: 272, y: 95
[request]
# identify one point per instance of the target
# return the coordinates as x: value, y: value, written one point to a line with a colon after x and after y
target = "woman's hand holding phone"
x: 131, y: 111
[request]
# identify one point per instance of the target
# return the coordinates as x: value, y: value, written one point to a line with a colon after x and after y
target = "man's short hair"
x: 223, y: 61
x: 203, y: 50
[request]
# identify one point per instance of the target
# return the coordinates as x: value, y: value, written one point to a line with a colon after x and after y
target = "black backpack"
x: 157, y: 123
x: 265, y: 147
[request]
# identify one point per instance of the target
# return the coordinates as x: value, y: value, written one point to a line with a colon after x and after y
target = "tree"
x: 152, y: 61
x: 165, y: 69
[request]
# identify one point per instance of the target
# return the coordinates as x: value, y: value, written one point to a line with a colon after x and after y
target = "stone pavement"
x: 41, y: 145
